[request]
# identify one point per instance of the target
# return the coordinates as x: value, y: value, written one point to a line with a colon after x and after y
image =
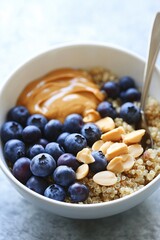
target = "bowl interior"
x: 85, y: 56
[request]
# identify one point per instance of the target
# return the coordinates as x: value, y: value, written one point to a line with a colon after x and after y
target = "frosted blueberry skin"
x: 42, y: 141
x: 106, y: 109
x: 42, y: 165
x: 18, y: 114
x: 74, y: 143
x: 52, y: 130
x: 61, y: 138
x: 69, y: 160
x: 37, y: 184
x: 130, y: 113
x: 14, y: 149
x: 21, y: 169
x: 37, y: 120
x: 11, y: 130
x: 54, y: 149
x: 91, y: 132
x: 73, y: 123
x: 100, y: 162
x: 132, y: 94
x: 111, y: 89
x: 126, y: 82
x: 64, y: 176
x: 55, y: 192
x: 78, y: 192
x: 35, y: 150
x: 31, y: 134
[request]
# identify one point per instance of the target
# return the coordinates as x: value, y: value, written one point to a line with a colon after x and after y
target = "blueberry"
x: 112, y: 89
x: 53, y: 129
x: 37, y: 120
x: 64, y: 176
x: 31, y: 134
x: 62, y: 137
x: 54, y: 149
x: 126, y: 82
x: 21, y: 169
x: 69, y: 160
x: 91, y: 132
x: 132, y: 94
x: 106, y: 110
x: 42, y: 165
x: 11, y: 130
x: 55, y: 192
x: 14, y: 149
x: 122, y: 96
x: 78, y: 192
x: 130, y: 113
x: 35, y: 150
x: 74, y: 143
x: 37, y: 184
x: 42, y: 141
x: 18, y: 114
x: 100, y: 162
x: 73, y: 123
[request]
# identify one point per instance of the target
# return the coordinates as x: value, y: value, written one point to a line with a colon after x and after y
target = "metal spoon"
x: 154, y: 48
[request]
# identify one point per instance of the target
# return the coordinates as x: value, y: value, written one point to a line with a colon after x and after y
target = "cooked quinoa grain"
x: 145, y: 168
x: 115, y: 164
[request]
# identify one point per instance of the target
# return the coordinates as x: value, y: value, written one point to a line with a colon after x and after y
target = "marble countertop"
x: 29, y: 27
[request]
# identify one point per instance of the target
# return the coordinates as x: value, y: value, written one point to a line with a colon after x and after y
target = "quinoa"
x: 139, y: 170
x: 145, y: 168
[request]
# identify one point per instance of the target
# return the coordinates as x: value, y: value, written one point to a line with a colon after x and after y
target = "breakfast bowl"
x: 77, y: 56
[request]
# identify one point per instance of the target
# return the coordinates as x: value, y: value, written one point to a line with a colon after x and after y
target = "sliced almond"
x: 113, y: 135
x: 85, y: 156
x: 135, y: 150
x: 96, y: 146
x: 82, y: 171
x: 105, y: 146
x: 128, y: 161
x: 105, y: 178
x: 133, y: 137
x: 105, y: 124
x: 116, y: 165
x: 115, y: 150
x: 91, y: 115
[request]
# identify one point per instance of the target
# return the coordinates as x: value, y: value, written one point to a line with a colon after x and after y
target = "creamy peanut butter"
x: 60, y: 93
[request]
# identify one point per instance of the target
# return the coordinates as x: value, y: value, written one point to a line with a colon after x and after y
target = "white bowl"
x: 84, y: 55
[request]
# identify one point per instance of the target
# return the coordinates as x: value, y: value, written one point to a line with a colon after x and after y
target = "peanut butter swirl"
x: 60, y: 93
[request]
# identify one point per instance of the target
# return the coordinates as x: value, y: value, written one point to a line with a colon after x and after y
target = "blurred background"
x: 30, y: 27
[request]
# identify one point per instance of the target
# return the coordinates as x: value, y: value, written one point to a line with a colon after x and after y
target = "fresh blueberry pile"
x: 126, y: 91
x: 42, y: 153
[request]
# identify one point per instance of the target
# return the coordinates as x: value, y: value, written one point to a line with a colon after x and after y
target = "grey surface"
x: 29, y: 27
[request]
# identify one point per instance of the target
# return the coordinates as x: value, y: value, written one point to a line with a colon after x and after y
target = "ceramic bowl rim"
x: 6, y: 170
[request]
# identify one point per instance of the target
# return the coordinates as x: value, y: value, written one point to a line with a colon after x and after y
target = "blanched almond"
x: 91, y: 115
x: 115, y: 150
x: 135, y: 150
x: 116, y: 165
x: 82, y: 171
x: 113, y: 135
x: 85, y: 156
x: 105, y: 124
x: 133, y: 137
x: 96, y: 146
x: 128, y: 161
x: 105, y: 178
x: 105, y: 146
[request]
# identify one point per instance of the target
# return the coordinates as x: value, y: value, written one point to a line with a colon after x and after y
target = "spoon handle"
x: 152, y: 56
